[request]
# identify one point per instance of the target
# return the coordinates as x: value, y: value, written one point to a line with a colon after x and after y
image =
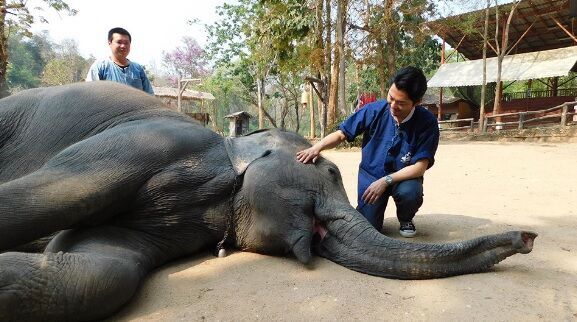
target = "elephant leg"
x: 83, y: 275
x: 49, y: 200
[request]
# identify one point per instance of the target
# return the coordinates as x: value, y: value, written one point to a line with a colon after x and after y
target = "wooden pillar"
x: 179, y: 97
x: 564, y: 114
x: 555, y: 86
x: 521, y: 120
x: 312, y: 112
x: 440, y: 110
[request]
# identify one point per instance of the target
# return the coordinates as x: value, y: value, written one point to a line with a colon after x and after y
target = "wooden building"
x: 194, y: 103
x: 239, y: 123
x: 542, y: 47
x: 454, y: 108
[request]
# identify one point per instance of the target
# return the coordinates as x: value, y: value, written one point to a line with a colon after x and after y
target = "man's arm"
x: 328, y: 142
x: 146, y: 86
x: 377, y: 188
x: 93, y: 73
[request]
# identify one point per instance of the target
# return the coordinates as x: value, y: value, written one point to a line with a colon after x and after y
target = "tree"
x: 186, y: 61
x: 385, y: 32
x: 267, y: 35
x: 502, y: 49
x: 281, y: 41
x: 484, y: 84
x: 26, y: 65
x: 15, y: 16
x: 66, y: 66
x: 337, y: 79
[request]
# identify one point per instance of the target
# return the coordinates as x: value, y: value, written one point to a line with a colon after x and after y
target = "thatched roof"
x: 186, y: 95
x: 241, y: 114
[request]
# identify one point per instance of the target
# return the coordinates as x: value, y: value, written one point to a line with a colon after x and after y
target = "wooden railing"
x: 458, y: 123
x: 540, y: 94
x: 558, y: 115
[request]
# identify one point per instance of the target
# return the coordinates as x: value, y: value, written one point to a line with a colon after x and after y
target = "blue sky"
x: 155, y: 26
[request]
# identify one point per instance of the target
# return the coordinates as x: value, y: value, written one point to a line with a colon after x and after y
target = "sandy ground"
x: 473, y: 189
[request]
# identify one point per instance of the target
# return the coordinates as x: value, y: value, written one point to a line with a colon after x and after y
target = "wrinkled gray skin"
x: 127, y: 185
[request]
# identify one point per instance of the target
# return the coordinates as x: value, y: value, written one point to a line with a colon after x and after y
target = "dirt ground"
x: 473, y: 189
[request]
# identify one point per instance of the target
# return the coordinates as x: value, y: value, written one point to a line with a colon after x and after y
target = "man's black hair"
x: 118, y: 30
x: 412, y: 81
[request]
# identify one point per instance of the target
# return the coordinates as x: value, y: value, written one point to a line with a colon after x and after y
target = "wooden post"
x: 564, y: 115
x: 485, y: 124
x: 472, y: 125
x: 440, y: 110
x: 312, y: 111
x: 521, y: 119
x: 179, y: 98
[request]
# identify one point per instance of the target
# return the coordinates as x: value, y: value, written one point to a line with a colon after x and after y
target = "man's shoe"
x: 408, y: 229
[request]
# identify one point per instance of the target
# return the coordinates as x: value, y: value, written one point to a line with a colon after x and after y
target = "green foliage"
x: 425, y: 55
x: 38, y: 61
x: 228, y: 85
x: 65, y: 65
x: 15, y: 21
x: 263, y: 39
x: 26, y: 64
x: 274, y: 40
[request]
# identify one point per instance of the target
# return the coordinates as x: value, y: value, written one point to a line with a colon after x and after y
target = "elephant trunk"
x: 352, y: 242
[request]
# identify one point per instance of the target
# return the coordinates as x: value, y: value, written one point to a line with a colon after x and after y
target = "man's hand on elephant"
x: 310, y: 154
x: 374, y: 191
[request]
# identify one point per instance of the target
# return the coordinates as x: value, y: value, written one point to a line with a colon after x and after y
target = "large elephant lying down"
x: 128, y: 185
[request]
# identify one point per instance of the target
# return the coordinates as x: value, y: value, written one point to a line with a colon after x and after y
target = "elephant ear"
x: 242, y: 151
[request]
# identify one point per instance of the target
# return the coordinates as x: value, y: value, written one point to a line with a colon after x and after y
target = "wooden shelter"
x: 454, y: 108
x: 239, y: 123
x: 542, y: 45
x: 192, y: 100
x: 193, y: 103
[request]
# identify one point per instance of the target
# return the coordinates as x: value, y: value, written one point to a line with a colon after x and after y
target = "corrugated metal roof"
x: 540, y: 64
x: 187, y: 94
x: 536, y: 24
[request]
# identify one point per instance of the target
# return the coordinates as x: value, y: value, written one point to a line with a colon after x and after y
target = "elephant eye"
x: 333, y: 171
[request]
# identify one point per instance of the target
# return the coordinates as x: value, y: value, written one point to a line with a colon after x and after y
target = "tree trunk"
x: 484, y: 85
x: 381, y: 58
x: 260, y: 97
x: 312, y: 112
x: 327, y: 72
x: 335, y: 93
x: 391, y: 37
x: 262, y: 113
x: 3, y: 51
x: 501, y: 53
x: 342, y: 104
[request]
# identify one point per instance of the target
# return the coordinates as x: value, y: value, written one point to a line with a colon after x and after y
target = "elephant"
x: 100, y: 183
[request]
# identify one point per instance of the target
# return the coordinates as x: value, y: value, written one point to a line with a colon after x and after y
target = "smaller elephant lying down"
x: 125, y: 185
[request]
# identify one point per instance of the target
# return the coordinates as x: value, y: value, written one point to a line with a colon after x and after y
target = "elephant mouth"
x: 319, y: 229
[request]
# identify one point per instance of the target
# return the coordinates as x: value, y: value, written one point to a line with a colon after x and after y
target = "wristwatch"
x: 389, y: 180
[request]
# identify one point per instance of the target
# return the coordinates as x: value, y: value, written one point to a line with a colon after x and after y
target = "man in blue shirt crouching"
x: 400, y: 139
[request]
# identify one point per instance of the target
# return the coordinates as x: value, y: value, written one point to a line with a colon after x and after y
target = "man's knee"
x: 409, y: 192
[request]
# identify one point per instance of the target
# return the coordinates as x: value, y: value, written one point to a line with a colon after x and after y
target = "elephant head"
x: 285, y: 206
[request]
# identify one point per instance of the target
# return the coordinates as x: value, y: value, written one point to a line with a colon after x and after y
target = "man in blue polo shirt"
x: 118, y: 67
x: 400, y: 139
